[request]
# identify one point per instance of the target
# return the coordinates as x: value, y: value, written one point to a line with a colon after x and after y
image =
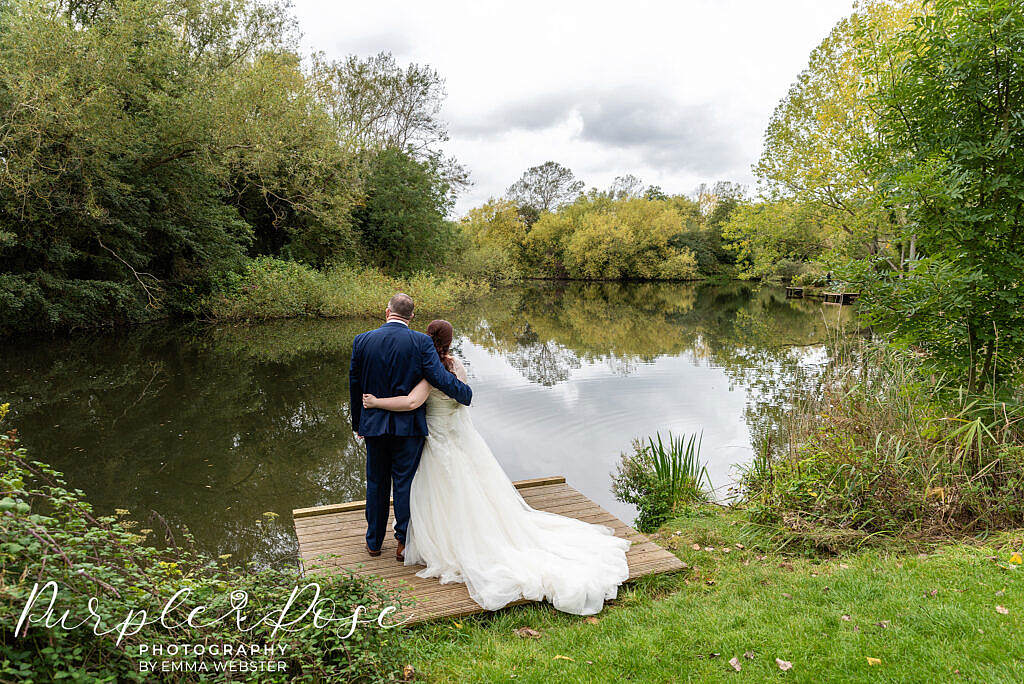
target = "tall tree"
x: 950, y: 150
x: 545, y: 187
x: 814, y: 143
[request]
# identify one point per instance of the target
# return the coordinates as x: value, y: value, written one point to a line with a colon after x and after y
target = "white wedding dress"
x: 469, y: 524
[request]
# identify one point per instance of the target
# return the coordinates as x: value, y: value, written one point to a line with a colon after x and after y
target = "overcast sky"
x: 677, y: 93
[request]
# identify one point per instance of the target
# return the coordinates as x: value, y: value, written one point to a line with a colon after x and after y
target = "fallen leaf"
x: 727, y: 550
x: 786, y: 566
x: 874, y: 661
x: 844, y: 566
x: 1000, y: 592
x: 1015, y: 558
x: 709, y: 548
x: 845, y: 618
x: 562, y: 657
x: 711, y: 582
x: 591, y: 620
x: 884, y: 624
x: 714, y: 655
x: 527, y: 633
x: 735, y: 662
x: 933, y: 592
x: 740, y: 546
x: 696, y: 547
x: 826, y: 589
x: 749, y: 655
x: 785, y: 595
x: 783, y: 664
x: 458, y: 625
x: 408, y: 672
x: 1002, y: 611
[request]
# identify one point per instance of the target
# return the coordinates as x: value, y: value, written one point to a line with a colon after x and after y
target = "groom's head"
x: 400, y: 306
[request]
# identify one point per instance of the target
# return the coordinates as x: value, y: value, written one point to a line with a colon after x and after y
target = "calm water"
x: 213, y: 428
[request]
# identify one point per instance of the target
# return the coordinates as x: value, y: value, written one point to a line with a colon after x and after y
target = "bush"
x: 271, y: 288
x: 660, y: 480
x: 50, y: 533
x: 883, y: 448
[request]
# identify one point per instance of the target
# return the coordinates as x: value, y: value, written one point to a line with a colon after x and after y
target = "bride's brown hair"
x: 441, y: 333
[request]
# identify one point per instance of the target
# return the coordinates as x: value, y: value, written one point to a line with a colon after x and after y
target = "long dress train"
x: 470, y: 524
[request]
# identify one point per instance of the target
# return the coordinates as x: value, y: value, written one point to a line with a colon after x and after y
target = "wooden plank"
x: 360, y: 505
x: 332, y: 538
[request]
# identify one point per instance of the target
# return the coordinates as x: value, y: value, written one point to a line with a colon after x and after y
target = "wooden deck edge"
x: 360, y: 505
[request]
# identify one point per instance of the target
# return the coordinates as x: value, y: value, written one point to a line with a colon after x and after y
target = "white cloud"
x: 676, y: 93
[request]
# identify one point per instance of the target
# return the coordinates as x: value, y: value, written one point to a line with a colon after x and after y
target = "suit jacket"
x: 389, y: 362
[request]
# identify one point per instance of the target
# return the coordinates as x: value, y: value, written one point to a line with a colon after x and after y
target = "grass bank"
x: 271, y: 288
x: 939, y: 613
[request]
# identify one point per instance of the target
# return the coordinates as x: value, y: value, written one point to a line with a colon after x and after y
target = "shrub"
x: 883, y: 448
x: 659, y: 480
x: 50, y: 533
x: 271, y: 288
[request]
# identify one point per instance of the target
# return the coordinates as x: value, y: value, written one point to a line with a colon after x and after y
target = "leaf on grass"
x: 786, y: 566
x: 873, y: 661
x: 884, y: 624
x: 458, y: 625
x: 933, y: 592
x: 844, y: 566
x: 784, y: 665
x: 696, y: 547
x: 1000, y: 592
x: 749, y: 655
x: 1002, y: 610
x: 591, y: 620
x: 740, y: 546
x: 408, y: 672
x: 527, y: 633
x: 844, y: 618
x: 562, y: 657
x: 1015, y: 558
x: 735, y: 662
x: 785, y: 595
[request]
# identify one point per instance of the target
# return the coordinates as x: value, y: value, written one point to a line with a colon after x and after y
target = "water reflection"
x: 212, y: 428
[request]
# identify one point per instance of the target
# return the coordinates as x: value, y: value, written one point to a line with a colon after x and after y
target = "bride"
x: 469, y: 523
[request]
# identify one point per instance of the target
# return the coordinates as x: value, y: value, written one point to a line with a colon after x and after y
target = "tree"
x: 950, y: 152
x: 402, y: 226
x: 133, y: 134
x: 545, y: 188
x: 626, y: 187
x: 814, y: 144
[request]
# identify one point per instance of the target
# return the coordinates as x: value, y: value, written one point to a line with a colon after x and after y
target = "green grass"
x: 669, y: 628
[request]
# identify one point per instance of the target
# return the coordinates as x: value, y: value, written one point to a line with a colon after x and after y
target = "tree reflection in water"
x: 213, y: 427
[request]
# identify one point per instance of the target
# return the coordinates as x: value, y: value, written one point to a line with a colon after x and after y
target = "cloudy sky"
x: 675, y: 92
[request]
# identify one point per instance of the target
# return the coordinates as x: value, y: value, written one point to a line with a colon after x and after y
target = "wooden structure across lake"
x: 839, y: 297
x: 333, y: 537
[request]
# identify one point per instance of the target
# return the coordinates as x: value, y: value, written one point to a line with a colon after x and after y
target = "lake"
x: 226, y: 429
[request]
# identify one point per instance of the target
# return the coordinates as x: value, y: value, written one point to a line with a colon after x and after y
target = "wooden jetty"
x: 333, y: 537
x: 840, y: 298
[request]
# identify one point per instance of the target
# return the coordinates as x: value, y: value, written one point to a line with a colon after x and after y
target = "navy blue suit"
x: 389, y: 362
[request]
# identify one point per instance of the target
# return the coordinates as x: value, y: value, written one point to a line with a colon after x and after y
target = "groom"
x: 389, y: 362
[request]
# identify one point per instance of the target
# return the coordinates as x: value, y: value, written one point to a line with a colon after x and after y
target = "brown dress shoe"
x: 372, y: 553
x: 400, y: 553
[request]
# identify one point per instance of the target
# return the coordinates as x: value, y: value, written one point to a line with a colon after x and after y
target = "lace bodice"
x: 440, y: 403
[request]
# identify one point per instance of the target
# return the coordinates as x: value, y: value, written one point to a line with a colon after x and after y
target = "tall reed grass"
x: 660, y: 477
x: 880, y: 446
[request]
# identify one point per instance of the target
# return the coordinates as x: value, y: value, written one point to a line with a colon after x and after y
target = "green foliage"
x: 880, y: 447
x: 50, y: 533
x: 270, y: 288
x: 660, y: 480
x: 151, y: 145
x: 402, y: 226
x: 950, y: 148
x: 604, y: 239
